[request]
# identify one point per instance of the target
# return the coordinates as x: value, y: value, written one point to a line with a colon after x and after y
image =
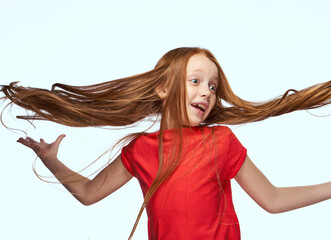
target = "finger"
x: 24, y: 142
x: 30, y: 139
x: 42, y: 140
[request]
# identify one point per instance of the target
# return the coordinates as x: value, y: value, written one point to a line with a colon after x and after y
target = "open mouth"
x: 199, y: 107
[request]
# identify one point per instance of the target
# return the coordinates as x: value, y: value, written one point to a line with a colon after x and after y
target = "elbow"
x: 274, y: 204
x: 271, y: 203
x: 271, y: 209
x: 85, y: 201
x: 277, y: 208
x: 85, y: 197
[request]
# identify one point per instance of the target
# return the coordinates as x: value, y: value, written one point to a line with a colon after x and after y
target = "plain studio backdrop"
x: 264, y: 48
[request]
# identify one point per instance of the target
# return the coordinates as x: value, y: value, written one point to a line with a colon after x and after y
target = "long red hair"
x: 125, y: 101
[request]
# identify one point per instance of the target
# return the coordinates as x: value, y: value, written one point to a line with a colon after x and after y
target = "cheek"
x: 213, y: 102
x: 189, y: 92
x: 189, y: 98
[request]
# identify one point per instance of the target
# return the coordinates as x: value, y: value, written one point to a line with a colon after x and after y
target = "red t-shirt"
x: 190, y: 204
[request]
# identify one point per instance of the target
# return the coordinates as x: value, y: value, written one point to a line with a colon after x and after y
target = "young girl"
x: 185, y: 168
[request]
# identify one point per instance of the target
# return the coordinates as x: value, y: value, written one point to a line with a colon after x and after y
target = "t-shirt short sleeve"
x: 127, y: 157
x: 232, y: 155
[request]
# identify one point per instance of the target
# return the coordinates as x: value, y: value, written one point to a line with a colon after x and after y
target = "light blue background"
x: 264, y: 47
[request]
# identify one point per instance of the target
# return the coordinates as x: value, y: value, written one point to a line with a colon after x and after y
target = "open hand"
x: 44, y: 150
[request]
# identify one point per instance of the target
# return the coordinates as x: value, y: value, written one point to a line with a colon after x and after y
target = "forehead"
x: 200, y: 63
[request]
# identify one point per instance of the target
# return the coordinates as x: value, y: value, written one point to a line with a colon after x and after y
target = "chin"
x: 194, y: 124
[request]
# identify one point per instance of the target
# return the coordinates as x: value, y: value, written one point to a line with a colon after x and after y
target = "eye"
x: 195, y: 81
x: 213, y: 88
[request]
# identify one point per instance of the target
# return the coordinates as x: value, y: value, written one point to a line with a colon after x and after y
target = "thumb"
x: 59, y: 139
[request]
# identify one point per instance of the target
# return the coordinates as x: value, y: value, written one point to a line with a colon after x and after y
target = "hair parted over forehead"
x: 125, y: 101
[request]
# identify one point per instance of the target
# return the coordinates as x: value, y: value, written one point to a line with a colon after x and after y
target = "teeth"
x: 202, y: 106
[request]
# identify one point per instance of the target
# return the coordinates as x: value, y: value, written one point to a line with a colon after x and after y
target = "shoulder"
x: 219, y: 130
x: 142, y: 139
x: 223, y: 134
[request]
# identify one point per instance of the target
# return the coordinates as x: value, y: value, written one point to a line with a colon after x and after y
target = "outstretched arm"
x: 83, y: 189
x: 274, y: 199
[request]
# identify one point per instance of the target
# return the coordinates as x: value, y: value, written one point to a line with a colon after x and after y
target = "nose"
x: 205, y: 91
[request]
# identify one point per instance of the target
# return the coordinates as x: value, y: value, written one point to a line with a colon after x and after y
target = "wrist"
x: 49, y: 162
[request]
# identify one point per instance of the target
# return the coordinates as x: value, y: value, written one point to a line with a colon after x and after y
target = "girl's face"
x: 201, y: 84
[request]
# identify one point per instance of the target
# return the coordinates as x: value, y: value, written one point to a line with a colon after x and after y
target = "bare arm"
x: 83, y: 189
x: 274, y: 199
